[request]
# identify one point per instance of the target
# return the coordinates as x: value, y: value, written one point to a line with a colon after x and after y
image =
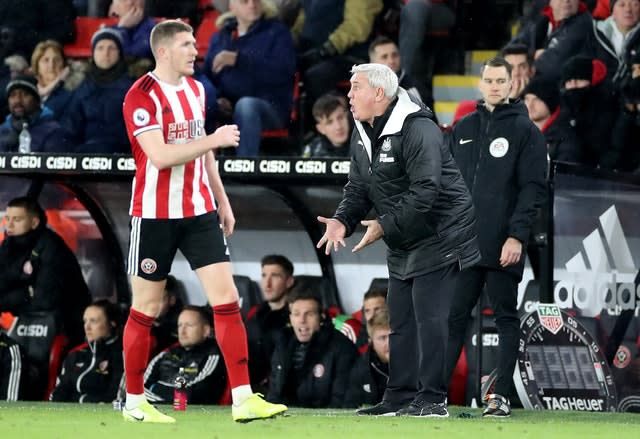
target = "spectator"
x: 369, y: 376
x: 271, y: 316
x: 10, y: 369
x: 331, y: 36
x: 417, y: 19
x: 616, y: 38
x: 93, y: 120
x: 92, y: 371
x: 251, y: 63
x: 626, y: 131
x: 557, y: 33
x: 333, y: 122
x: 521, y: 60
x: 134, y: 27
x: 311, y: 363
x: 40, y: 273
x: 591, y: 106
x: 25, y: 110
x: 56, y: 79
x: 23, y: 23
x: 542, y: 98
x: 384, y: 51
x: 165, y: 327
x: 197, y: 354
x: 9, y: 67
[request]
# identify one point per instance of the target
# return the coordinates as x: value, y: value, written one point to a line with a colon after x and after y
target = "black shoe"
x: 419, y: 408
x: 382, y: 408
x: 497, y: 407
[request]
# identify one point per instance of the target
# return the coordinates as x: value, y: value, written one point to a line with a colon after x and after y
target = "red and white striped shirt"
x: 180, y: 191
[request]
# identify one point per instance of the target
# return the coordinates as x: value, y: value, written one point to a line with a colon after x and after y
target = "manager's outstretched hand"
x: 333, y: 234
x: 373, y: 233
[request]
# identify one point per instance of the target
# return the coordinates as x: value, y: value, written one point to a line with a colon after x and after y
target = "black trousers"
x: 418, y: 310
x: 502, y: 289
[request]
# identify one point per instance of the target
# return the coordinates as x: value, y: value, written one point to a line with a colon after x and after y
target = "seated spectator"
x: 165, y: 327
x: 331, y: 36
x: 197, y: 354
x: 383, y: 50
x: 558, y: 32
x: 92, y: 371
x: 270, y: 317
x: 521, y: 60
x: 311, y: 362
x: 251, y: 62
x: 370, y: 374
x: 93, y: 120
x: 417, y: 19
x: 40, y: 273
x: 333, y: 122
x: 615, y: 39
x: 134, y: 27
x: 56, y: 79
x: 542, y: 98
x: 10, y: 66
x: 374, y: 300
x: 591, y: 107
x: 25, y: 111
x: 11, y: 377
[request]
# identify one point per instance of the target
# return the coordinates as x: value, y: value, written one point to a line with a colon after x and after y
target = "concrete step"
x: 445, y: 110
x: 455, y: 87
x: 477, y: 58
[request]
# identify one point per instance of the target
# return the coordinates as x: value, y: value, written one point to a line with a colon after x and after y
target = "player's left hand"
x: 511, y: 252
x: 227, y: 220
x: 223, y: 59
x: 373, y: 233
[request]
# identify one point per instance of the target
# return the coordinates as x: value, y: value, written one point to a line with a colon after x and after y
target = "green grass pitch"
x: 92, y: 421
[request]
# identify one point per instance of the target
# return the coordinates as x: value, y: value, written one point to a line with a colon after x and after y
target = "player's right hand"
x: 228, y: 136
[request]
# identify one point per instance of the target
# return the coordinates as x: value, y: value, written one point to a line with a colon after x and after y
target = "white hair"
x: 379, y: 75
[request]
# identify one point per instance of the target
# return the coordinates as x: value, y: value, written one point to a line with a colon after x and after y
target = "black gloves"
x: 315, y: 55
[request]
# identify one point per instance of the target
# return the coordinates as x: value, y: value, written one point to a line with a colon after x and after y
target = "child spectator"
x: 331, y: 113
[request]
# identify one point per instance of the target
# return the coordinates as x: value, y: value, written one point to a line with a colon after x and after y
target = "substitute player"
x: 179, y: 202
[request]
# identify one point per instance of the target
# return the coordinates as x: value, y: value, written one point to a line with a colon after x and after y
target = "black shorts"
x: 153, y: 244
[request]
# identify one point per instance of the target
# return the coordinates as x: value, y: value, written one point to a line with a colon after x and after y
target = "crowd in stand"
x: 576, y: 66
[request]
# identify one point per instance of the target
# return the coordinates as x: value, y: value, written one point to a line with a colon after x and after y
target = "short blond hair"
x: 39, y: 51
x: 380, y: 320
x: 166, y: 30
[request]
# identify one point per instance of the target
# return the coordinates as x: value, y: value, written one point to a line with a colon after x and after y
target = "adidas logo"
x: 602, y: 273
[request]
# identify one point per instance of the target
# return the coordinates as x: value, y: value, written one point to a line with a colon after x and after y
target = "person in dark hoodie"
x: 542, y: 98
x: 590, y: 103
x: 93, y: 120
x: 251, y: 62
x: 558, y: 32
x: 502, y: 156
x: 92, y: 371
x: 25, y: 111
x: 401, y: 168
x: 333, y: 124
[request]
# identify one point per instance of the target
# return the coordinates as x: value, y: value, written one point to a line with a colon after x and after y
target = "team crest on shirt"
x: 27, y: 268
x: 148, y: 266
x: 318, y: 370
x: 622, y: 358
x: 386, y: 145
x: 141, y: 117
x: 103, y: 366
x: 499, y: 147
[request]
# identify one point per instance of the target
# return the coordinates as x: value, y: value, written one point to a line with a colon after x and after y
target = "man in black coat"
x: 401, y: 168
x: 311, y: 362
x: 40, y: 273
x: 503, y: 158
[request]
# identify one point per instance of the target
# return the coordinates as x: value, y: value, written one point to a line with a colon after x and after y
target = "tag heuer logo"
x: 550, y: 317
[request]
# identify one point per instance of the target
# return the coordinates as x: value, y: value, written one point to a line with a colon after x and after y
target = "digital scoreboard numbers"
x: 560, y: 366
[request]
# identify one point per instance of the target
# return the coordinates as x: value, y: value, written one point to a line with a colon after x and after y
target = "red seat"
x: 56, y: 356
x: 85, y: 28
x: 205, y: 31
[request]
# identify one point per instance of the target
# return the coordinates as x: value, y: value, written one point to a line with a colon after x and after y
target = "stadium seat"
x: 85, y: 28
x: 56, y: 357
x: 205, y: 31
x: 379, y: 282
x: 322, y: 287
x: 249, y: 292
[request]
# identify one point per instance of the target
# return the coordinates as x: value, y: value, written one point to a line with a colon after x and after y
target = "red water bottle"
x: 180, y: 391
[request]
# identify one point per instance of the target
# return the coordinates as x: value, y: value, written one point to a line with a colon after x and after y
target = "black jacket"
x: 418, y: 194
x: 91, y: 372
x: 368, y: 381
x: 600, y: 46
x: 203, y: 367
x: 503, y: 158
x: 40, y: 273
x: 320, y: 146
x: 322, y: 381
x: 10, y: 368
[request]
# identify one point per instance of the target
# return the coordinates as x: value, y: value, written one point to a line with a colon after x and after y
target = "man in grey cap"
x: 25, y: 111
